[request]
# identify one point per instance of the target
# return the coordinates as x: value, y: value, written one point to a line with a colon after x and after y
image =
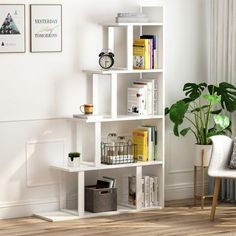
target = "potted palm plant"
x: 203, y: 111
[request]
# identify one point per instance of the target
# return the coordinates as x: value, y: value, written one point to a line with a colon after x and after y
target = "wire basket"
x: 118, y: 153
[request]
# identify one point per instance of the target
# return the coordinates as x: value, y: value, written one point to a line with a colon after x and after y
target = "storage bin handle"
x: 104, y: 192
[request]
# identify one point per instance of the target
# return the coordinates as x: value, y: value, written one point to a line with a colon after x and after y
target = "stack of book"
x: 146, y: 140
x: 131, y: 17
x: 142, y: 97
x: 150, y: 191
x: 145, y: 52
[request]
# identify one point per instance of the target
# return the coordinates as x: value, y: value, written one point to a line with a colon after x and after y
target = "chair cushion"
x: 232, y: 163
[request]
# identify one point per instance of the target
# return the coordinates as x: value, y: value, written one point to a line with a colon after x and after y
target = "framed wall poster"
x: 12, y: 28
x: 46, y: 27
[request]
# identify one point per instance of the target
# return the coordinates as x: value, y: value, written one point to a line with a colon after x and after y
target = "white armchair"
x: 218, y: 167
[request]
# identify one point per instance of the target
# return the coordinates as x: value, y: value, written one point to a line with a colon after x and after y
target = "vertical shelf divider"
x: 95, y: 92
x: 111, y: 38
x: 81, y: 193
x: 97, y: 143
x: 129, y: 47
x: 114, y: 95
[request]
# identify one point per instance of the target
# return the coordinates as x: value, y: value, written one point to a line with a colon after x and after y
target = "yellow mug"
x: 87, y: 109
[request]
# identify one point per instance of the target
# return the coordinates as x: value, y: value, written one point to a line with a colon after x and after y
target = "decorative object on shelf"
x: 12, y: 28
x: 118, y: 152
x: 131, y: 17
x: 100, y: 199
x: 87, y: 109
x: 106, y: 59
x: 74, y: 159
x: 46, y: 27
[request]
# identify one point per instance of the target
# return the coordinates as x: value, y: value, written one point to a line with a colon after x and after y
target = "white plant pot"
x: 75, y: 163
x: 204, y: 150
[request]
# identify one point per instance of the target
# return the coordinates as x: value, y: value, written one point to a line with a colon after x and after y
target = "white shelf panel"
x: 55, y: 216
x: 133, y: 24
x: 121, y: 71
x: 66, y: 214
x: 104, y: 167
x: 118, y: 118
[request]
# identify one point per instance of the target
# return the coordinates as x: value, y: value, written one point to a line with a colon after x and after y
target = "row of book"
x: 150, y: 191
x: 145, y: 52
x: 145, y: 138
x: 142, y: 97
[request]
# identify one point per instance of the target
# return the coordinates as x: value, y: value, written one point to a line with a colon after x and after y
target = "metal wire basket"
x: 118, y: 153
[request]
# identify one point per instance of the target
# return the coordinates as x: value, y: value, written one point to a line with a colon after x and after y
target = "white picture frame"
x: 12, y: 28
x: 46, y: 27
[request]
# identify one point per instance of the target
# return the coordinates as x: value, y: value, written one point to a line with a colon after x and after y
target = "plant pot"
x: 204, y: 150
x: 74, y: 162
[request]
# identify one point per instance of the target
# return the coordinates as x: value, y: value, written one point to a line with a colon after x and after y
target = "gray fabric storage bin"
x: 100, y: 200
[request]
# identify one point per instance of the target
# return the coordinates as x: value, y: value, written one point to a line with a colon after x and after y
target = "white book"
x: 152, y: 194
x: 142, y: 182
x: 154, y: 94
x: 149, y: 91
x: 146, y: 191
x: 156, y: 191
x: 131, y: 19
x: 136, y: 103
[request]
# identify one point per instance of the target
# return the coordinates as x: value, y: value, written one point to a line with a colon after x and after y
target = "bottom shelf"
x: 66, y: 214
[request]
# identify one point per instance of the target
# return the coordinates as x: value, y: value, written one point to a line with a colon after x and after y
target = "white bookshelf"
x: 99, y: 126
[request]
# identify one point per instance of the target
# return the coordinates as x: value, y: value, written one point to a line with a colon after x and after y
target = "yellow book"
x: 140, y: 138
x: 141, y: 55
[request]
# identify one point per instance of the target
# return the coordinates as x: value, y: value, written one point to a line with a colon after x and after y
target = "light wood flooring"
x: 178, y: 218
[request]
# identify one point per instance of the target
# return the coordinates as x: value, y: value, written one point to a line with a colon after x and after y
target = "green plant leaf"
x: 228, y: 95
x: 193, y: 90
x: 167, y: 111
x: 177, y: 112
x: 216, y: 112
x: 176, y: 130
x: 199, y: 108
x: 213, y: 99
x: 183, y: 132
x: 221, y: 121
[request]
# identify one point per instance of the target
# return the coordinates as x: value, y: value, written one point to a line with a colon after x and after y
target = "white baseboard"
x: 181, y: 191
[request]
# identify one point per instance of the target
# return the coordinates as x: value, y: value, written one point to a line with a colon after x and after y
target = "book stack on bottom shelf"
x: 150, y: 191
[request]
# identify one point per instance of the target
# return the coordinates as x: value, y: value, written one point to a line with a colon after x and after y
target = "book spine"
x: 146, y: 191
x: 156, y: 191
x: 142, y: 182
x: 132, y: 190
x: 151, y: 196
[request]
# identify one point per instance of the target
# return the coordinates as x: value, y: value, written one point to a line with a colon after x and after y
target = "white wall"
x: 39, y: 86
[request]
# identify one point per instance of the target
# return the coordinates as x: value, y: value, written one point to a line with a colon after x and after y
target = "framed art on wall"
x: 12, y: 28
x: 46, y: 27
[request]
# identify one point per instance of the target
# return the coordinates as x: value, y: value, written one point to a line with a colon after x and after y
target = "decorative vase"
x: 204, y: 150
x: 74, y: 162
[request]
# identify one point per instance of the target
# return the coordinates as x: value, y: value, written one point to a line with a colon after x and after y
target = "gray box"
x: 100, y: 200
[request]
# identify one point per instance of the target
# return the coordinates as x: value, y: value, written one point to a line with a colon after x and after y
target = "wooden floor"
x: 178, y: 218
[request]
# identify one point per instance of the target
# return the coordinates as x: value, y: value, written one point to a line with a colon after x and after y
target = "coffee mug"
x: 87, y: 109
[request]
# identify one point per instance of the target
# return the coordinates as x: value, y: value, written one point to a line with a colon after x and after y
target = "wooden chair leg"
x: 215, y: 197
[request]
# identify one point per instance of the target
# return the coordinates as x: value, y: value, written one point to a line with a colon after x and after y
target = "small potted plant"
x: 73, y: 159
x: 204, y: 111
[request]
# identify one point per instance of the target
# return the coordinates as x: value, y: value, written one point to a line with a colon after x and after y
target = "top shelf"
x: 121, y: 71
x: 133, y: 24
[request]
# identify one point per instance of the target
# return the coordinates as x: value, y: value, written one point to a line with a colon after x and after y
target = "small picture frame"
x: 46, y: 28
x: 12, y: 28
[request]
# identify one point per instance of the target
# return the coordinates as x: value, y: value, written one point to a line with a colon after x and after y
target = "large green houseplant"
x: 204, y: 110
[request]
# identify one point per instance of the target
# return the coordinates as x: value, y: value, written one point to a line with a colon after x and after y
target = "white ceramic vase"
x: 75, y: 163
x: 204, y: 150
